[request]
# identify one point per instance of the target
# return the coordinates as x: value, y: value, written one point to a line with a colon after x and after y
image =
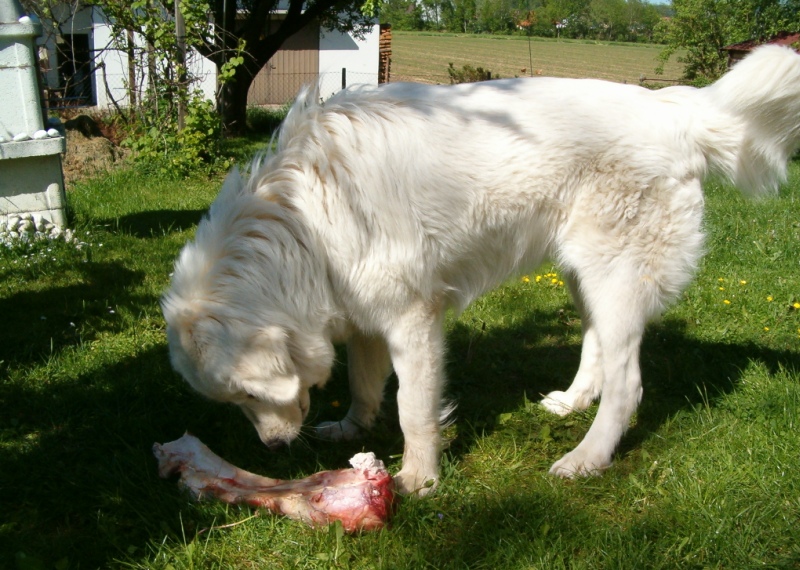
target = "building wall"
x: 311, y: 55
x: 359, y: 57
x: 112, y: 86
x: 296, y: 64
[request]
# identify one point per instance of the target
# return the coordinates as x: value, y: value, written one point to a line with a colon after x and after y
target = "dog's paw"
x: 415, y: 484
x: 559, y: 403
x: 577, y: 463
x: 345, y: 430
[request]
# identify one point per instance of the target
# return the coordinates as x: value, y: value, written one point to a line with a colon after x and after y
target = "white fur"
x: 386, y: 206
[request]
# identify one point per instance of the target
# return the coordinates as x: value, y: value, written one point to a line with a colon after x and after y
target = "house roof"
x: 791, y: 39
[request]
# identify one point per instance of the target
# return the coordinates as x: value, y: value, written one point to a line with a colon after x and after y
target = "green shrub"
x: 469, y: 74
x: 263, y: 120
x: 158, y: 145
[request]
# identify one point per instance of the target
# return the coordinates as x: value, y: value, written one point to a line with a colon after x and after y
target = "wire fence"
x: 273, y: 88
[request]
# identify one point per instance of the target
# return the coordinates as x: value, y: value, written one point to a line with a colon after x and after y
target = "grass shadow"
x: 45, y: 321
x: 157, y: 223
x: 496, y: 372
x: 79, y: 479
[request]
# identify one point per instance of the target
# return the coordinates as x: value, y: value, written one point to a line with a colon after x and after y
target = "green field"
x: 424, y: 57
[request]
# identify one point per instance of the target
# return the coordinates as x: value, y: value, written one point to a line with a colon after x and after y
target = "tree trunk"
x: 233, y: 101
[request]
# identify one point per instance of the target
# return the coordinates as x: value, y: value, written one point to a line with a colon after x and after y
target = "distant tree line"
x: 608, y: 20
x: 700, y: 29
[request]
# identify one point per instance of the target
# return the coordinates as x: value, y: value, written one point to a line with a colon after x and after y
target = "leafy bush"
x: 158, y: 145
x: 469, y: 74
x: 264, y: 120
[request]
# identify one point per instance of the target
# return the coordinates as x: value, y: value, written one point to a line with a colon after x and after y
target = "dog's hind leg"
x: 368, y: 366
x: 416, y: 343
x: 588, y: 382
x: 619, y: 311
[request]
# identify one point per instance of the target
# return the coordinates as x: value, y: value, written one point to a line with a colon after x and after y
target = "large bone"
x: 361, y: 497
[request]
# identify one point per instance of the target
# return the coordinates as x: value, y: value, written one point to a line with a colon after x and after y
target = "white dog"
x: 384, y: 207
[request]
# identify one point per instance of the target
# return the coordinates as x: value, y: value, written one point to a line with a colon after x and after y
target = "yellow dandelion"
x: 766, y: 329
x: 554, y: 281
x: 742, y: 282
x: 538, y: 278
x: 722, y: 288
x: 560, y: 283
x: 770, y: 298
x: 796, y: 305
x: 526, y: 279
x: 720, y: 279
x: 726, y: 302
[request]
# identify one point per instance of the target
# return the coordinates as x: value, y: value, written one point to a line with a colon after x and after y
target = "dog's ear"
x: 190, y: 328
x: 265, y: 367
x: 313, y: 355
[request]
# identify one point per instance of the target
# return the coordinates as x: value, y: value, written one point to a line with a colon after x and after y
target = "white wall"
x: 116, y: 68
x: 111, y: 83
x: 358, y: 57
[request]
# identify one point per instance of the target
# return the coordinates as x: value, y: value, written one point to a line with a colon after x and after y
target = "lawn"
x: 424, y: 57
x: 708, y: 476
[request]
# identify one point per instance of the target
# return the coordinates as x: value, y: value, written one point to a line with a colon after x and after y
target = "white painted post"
x: 31, y: 180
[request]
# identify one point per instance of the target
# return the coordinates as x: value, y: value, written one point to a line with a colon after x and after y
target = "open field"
x: 424, y: 57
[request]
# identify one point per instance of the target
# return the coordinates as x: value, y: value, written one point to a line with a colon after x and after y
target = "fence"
x: 281, y: 88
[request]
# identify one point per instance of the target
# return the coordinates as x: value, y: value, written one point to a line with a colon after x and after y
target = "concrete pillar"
x: 31, y: 180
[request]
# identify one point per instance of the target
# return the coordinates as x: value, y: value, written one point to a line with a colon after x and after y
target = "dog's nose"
x: 275, y: 444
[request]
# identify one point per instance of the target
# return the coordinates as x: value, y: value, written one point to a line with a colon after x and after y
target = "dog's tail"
x: 762, y: 94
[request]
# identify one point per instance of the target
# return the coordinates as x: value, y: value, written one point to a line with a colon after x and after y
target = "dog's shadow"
x: 93, y: 434
x: 496, y: 371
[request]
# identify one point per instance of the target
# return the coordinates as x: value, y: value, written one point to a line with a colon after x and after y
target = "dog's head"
x: 265, y: 370
x: 243, y: 312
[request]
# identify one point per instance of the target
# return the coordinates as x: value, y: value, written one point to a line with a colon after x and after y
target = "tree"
x: 461, y: 15
x: 257, y: 30
x: 239, y: 36
x: 402, y: 14
x: 700, y: 29
x: 609, y: 18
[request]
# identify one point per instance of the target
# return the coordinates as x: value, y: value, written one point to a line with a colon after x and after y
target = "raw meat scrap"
x: 361, y: 497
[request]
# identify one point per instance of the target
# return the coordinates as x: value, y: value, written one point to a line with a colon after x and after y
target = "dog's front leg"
x: 416, y: 346
x: 588, y: 382
x: 368, y: 365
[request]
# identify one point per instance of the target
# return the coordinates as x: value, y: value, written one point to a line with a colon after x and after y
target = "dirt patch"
x: 88, y: 152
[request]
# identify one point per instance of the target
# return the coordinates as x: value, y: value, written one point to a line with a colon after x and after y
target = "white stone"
x: 51, y: 132
x: 25, y: 20
x: 39, y: 135
x: 21, y: 137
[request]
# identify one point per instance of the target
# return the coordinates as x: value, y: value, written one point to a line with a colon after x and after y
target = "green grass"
x: 707, y: 476
x: 424, y: 57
